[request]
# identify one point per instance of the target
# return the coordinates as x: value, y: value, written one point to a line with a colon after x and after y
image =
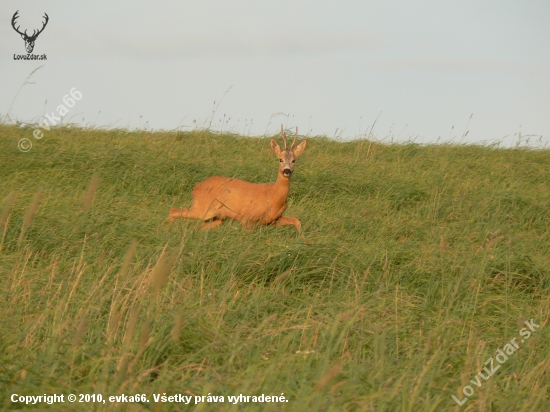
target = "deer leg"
x: 287, y: 220
x: 175, y: 213
x: 247, y: 225
x: 184, y: 213
x: 211, y: 224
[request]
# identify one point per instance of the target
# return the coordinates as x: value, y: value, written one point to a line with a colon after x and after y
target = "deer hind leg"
x: 287, y: 220
x: 191, y: 213
x: 177, y: 213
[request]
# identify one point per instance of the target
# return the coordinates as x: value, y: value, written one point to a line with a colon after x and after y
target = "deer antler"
x: 43, y: 26
x: 295, y: 137
x: 15, y: 16
x: 283, y: 134
x: 34, y: 33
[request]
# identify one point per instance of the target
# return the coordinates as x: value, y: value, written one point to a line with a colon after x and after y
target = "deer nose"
x: 287, y: 172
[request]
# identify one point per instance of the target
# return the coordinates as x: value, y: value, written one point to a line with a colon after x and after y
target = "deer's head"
x: 29, y: 40
x: 287, y: 157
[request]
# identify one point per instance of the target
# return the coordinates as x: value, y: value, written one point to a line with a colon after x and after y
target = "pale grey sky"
x: 328, y: 67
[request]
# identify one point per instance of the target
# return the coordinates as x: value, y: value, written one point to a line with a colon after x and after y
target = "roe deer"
x: 219, y: 198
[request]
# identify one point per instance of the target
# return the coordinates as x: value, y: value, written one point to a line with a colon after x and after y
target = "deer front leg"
x: 211, y: 224
x: 287, y: 220
x: 248, y: 225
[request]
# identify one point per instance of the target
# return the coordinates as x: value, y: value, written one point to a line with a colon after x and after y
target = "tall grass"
x: 417, y: 264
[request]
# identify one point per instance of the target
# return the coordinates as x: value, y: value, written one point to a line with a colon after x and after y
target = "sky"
x: 427, y: 71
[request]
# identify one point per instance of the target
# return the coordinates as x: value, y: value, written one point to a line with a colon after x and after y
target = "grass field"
x: 417, y: 264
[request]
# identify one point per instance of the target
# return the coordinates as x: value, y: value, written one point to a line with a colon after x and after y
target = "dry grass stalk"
x: 128, y: 259
x: 92, y: 293
x: 122, y: 367
x: 23, y: 374
x: 131, y: 326
x: 27, y: 221
x: 161, y: 271
x: 113, y: 325
x: 266, y: 322
x: 138, y: 354
x: 35, y: 324
x: 442, y: 243
x: 5, y: 214
x: 81, y: 330
x: 144, y: 337
x: 145, y: 374
x: 386, y: 263
x: 4, y: 233
x: 325, y: 380
x: 144, y: 341
x: 75, y: 284
x: 62, y: 327
x: 16, y: 282
x: 335, y: 388
x: 283, y: 276
x: 90, y: 193
x: 176, y: 330
x: 491, y: 243
x: 140, y: 286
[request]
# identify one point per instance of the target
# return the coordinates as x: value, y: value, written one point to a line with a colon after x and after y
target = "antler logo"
x: 29, y: 40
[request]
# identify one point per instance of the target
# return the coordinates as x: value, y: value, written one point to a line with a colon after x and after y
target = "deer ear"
x: 275, y: 147
x: 299, y: 149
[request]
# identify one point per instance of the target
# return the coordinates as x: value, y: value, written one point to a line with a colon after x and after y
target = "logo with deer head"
x: 29, y: 40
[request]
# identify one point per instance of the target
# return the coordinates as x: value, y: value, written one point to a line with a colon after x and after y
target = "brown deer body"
x: 219, y: 198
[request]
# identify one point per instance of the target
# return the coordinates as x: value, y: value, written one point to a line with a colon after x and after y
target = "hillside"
x: 417, y: 264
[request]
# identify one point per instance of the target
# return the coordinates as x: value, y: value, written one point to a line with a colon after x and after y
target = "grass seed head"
x: 90, y: 193
x: 27, y: 221
x: 6, y: 210
x: 161, y: 271
x: 325, y: 380
x: 176, y: 330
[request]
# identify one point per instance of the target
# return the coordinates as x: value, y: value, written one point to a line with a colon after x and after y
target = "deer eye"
x: 294, y: 161
x: 281, y: 160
